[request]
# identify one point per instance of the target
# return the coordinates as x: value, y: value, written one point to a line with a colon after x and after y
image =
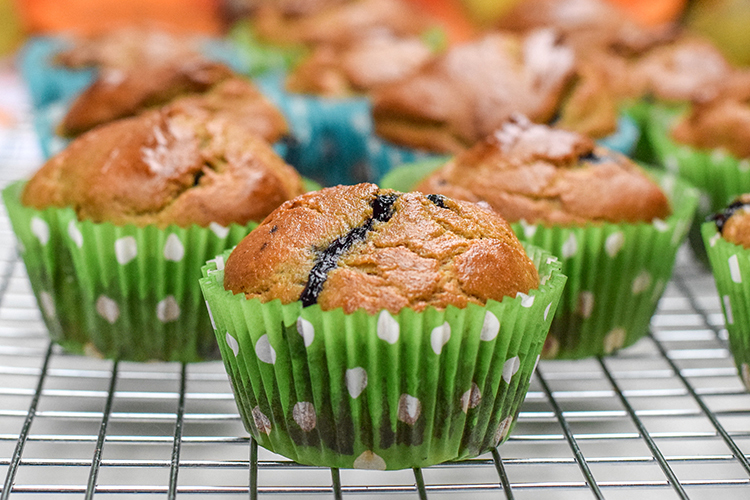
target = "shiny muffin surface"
x: 734, y: 221
x: 537, y: 173
x: 166, y: 167
x: 362, y: 247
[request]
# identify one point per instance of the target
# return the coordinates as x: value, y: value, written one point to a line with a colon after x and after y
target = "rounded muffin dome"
x: 362, y: 247
x: 734, y: 221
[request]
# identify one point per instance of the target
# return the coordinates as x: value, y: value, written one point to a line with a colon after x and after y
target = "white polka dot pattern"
x: 728, y: 309
x: 490, y: 327
x: 388, y: 328
x: 734, y: 269
x: 536, y: 363
x: 168, y: 310
x: 306, y: 330
x: 48, y: 304
x: 369, y: 460
x: 439, y: 337
x: 546, y: 310
x: 304, y: 414
x: 570, y: 247
x: 126, y: 249
x: 503, y: 429
x: 262, y: 423
x: 745, y: 371
x: 75, y: 234
x: 219, y: 230
x: 529, y: 230
x: 409, y: 409
x: 40, y: 229
x: 173, y: 248
x: 471, y: 398
x: 660, y: 225
x: 107, y: 309
x: 265, y: 351
x: 585, y: 304
x: 510, y: 368
x: 232, y: 343
x: 211, y: 316
x: 614, y: 340
x: 715, y: 238
x: 526, y: 300
x: 356, y: 381
x: 641, y: 282
x: 613, y: 244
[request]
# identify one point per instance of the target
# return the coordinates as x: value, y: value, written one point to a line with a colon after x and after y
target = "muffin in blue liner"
x: 49, y: 82
x: 329, y: 136
x: 373, y: 381
x: 383, y: 155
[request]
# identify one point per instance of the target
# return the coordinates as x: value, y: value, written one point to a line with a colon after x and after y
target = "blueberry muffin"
x: 613, y: 226
x: 113, y: 229
x: 386, y: 322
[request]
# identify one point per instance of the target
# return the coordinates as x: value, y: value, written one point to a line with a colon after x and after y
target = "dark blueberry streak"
x: 720, y: 218
x: 437, y: 199
x: 382, y: 211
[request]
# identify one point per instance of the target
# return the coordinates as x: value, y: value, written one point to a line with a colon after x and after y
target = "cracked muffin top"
x: 536, y: 173
x: 734, y: 221
x: 164, y: 167
x: 362, y: 247
x: 458, y: 98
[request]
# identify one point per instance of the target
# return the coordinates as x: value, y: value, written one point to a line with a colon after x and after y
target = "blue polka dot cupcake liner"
x: 381, y: 391
x: 616, y: 272
x: 718, y: 175
x: 730, y: 265
x: 48, y: 83
x: 328, y: 140
x: 121, y: 292
x: 385, y: 156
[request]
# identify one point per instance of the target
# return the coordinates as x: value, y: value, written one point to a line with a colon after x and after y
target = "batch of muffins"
x: 381, y: 229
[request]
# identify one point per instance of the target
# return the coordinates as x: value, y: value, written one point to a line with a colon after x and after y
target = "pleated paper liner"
x: 385, y: 156
x: 719, y: 176
x: 264, y: 57
x: 730, y: 265
x: 120, y: 291
x: 616, y: 272
x: 381, y: 391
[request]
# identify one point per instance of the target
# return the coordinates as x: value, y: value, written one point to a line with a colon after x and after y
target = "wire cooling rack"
x: 666, y: 418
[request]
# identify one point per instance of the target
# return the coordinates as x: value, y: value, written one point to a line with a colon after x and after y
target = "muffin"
x: 114, y: 228
x: 398, y: 330
x: 602, y: 215
x: 727, y: 239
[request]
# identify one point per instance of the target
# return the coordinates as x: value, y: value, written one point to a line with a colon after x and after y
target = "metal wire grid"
x: 667, y: 418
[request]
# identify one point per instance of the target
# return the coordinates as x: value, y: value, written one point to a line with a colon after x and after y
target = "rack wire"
x: 666, y: 418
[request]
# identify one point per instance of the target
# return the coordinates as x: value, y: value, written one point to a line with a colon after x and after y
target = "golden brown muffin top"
x: 718, y: 124
x: 166, y: 167
x: 337, y: 71
x: 128, y: 48
x: 734, y: 221
x: 537, y: 173
x: 465, y: 94
x: 118, y: 93
x: 363, y: 247
x: 339, y: 23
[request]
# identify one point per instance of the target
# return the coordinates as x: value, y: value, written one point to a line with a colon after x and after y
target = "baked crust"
x: 165, y: 167
x: 460, y: 97
x: 414, y: 251
x: 734, y: 221
x: 536, y: 173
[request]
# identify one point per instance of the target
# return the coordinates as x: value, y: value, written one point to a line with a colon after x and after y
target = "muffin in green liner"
x: 717, y: 174
x: 616, y: 272
x: 121, y: 292
x: 730, y: 264
x: 382, y: 391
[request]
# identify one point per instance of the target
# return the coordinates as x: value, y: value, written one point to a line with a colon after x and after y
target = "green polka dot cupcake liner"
x: 119, y: 292
x: 719, y: 176
x: 616, y: 272
x: 382, y: 391
x: 730, y: 265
